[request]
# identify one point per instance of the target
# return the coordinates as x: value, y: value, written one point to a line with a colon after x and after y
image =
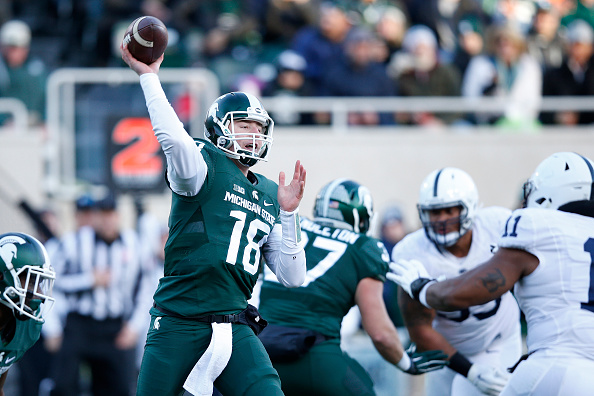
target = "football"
x: 146, y: 38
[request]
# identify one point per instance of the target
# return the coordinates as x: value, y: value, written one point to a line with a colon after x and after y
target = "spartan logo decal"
x: 366, y: 199
x: 8, y: 249
x: 255, y: 195
x: 213, y: 110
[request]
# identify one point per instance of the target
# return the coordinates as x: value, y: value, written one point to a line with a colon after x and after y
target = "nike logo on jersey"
x: 10, y: 359
x: 267, y: 203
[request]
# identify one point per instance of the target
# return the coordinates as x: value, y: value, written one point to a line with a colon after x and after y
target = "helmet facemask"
x: 527, y: 189
x: 220, y: 127
x: 436, y: 230
x: 31, y: 295
x: 229, y: 143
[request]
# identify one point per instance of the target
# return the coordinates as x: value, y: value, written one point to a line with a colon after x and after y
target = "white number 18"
x: 234, y: 243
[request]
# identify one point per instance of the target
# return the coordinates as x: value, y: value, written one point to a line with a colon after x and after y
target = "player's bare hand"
x: 136, y: 65
x: 290, y: 196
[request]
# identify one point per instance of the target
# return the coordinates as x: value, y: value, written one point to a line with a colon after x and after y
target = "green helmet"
x: 344, y: 203
x: 26, y: 276
x: 219, y: 127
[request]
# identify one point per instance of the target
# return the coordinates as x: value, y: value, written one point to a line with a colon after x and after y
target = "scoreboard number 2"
x: 137, y: 163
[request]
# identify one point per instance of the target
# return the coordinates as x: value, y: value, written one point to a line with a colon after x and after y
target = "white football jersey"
x: 470, y: 330
x: 558, y: 297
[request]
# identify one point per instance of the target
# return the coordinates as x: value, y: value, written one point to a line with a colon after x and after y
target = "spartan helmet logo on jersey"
x: 26, y: 276
x: 344, y: 204
x: 219, y: 128
x: 559, y: 179
x: 447, y: 188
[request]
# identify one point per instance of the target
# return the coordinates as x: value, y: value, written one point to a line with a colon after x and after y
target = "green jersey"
x: 337, y: 259
x: 214, y: 250
x: 26, y: 333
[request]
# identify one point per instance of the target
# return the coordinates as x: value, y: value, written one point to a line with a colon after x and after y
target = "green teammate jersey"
x: 337, y: 259
x: 214, y: 250
x: 14, y: 345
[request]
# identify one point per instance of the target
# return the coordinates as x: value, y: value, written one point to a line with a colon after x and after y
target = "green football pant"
x: 325, y: 370
x: 174, y: 345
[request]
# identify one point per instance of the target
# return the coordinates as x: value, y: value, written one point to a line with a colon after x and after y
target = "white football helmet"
x: 561, y: 178
x: 446, y: 188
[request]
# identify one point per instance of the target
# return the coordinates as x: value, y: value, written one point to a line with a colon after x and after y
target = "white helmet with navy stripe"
x: 219, y: 128
x: 561, y: 178
x: 446, y: 188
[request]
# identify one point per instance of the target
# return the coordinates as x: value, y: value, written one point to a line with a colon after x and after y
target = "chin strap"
x: 247, y: 161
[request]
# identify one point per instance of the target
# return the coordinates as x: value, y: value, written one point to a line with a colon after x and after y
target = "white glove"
x: 490, y: 380
x: 405, y: 272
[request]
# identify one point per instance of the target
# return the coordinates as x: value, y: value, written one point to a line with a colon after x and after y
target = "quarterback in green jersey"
x: 345, y: 267
x: 26, y: 282
x: 225, y: 222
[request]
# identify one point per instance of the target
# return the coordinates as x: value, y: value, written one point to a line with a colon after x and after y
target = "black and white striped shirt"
x: 129, y: 294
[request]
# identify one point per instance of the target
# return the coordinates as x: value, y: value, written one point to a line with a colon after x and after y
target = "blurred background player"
x: 26, y: 285
x: 344, y: 267
x: 546, y: 251
x: 481, y: 341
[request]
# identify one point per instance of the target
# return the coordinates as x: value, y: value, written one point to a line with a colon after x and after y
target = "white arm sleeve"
x: 284, y: 252
x: 186, y: 168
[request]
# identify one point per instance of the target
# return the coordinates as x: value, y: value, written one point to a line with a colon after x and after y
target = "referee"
x: 107, y: 287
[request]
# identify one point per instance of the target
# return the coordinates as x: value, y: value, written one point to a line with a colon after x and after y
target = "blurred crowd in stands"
x: 517, y: 49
